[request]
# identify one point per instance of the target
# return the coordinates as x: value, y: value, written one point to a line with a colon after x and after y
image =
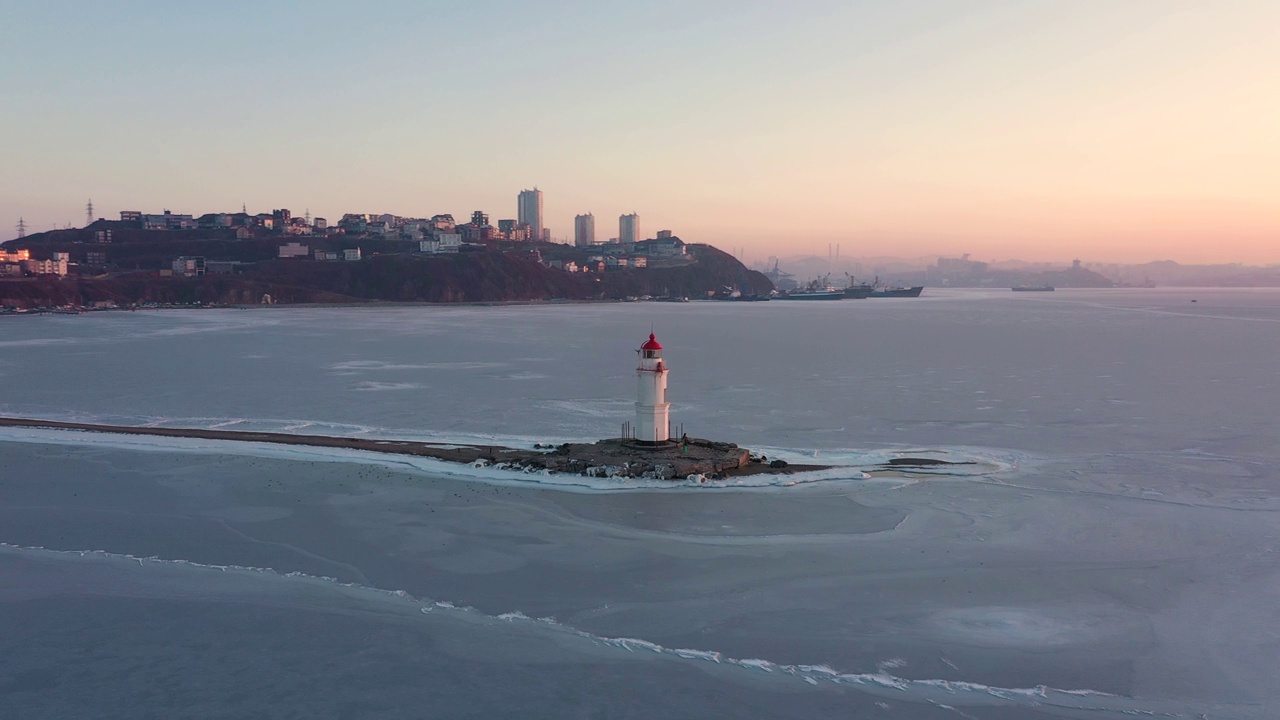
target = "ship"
x: 815, y: 290
x: 897, y: 292
x: 1033, y: 288
x: 861, y: 290
x: 856, y: 290
x: 735, y: 295
x: 826, y: 294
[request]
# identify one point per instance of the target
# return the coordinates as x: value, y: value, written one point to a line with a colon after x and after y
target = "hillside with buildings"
x: 244, y: 259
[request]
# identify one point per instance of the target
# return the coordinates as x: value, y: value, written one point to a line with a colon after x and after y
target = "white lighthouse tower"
x: 652, y: 409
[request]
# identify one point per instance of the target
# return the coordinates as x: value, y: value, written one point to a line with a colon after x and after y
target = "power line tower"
x: 22, y: 228
x: 88, y: 213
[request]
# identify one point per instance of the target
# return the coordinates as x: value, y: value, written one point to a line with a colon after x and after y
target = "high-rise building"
x: 529, y: 211
x: 584, y: 230
x: 629, y: 229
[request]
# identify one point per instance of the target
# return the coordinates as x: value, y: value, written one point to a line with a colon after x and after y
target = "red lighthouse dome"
x: 652, y: 344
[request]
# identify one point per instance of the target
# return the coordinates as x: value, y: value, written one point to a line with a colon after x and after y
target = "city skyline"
x: 1043, y: 131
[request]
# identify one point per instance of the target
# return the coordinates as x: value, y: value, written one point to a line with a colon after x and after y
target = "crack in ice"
x: 932, y: 691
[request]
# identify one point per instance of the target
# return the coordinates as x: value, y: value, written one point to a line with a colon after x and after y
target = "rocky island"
x: 644, y: 450
x: 692, y: 460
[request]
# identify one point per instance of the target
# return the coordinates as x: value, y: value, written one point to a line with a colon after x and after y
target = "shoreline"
x: 86, y: 309
x: 82, y: 309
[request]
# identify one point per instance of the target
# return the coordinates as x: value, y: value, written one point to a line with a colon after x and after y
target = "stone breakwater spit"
x: 695, y: 460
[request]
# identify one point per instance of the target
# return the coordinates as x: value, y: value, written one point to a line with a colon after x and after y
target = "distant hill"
x: 918, y: 272
x: 1072, y: 277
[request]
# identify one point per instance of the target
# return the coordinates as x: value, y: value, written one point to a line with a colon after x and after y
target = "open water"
x: 1109, y: 548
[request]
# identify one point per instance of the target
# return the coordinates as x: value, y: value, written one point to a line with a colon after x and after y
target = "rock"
x: 920, y: 462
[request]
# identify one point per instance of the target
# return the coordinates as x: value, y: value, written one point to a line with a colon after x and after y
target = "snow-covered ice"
x: 1109, y: 548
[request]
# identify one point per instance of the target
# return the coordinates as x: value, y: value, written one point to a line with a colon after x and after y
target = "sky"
x: 1110, y: 131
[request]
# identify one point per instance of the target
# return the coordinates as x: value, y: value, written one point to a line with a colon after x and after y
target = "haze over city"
x: 1033, y: 130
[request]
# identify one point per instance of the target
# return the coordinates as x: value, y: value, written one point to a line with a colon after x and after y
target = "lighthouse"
x: 652, y: 409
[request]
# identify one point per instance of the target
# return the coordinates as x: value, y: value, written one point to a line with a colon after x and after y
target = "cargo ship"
x: 815, y: 290
x: 857, y: 290
x: 820, y: 294
x: 897, y: 292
